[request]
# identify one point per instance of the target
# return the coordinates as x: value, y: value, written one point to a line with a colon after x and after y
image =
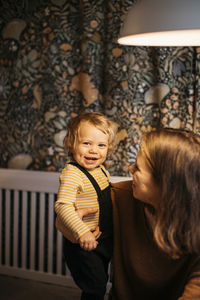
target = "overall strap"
x: 104, y: 172
x: 89, y: 176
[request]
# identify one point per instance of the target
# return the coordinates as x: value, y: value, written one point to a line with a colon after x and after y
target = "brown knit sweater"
x: 141, y: 271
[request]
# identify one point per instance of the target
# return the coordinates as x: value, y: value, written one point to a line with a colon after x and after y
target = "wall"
x: 59, y: 57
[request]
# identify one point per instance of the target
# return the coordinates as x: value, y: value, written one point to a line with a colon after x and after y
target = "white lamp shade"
x: 162, y: 23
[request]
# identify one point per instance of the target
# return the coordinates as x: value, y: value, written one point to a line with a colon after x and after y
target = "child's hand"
x: 88, y: 241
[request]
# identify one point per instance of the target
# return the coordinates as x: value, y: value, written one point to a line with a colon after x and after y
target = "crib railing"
x: 30, y: 245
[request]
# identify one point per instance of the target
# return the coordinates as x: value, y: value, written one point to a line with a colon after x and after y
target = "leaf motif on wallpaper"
x: 116, y: 52
x: 82, y: 82
x: 180, y: 54
x: 37, y: 92
x: 14, y: 29
x: 28, y: 66
x: 4, y: 86
x: 49, y: 115
x: 59, y: 137
x: 20, y: 161
x: 121, y: 135
x: 156, y: 93
x: 178, y: 68
x: 175, y: 123
x: 3, y: 108
x: 65, y: 47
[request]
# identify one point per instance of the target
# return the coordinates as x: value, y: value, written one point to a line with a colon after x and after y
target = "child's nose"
x: 93, y: 149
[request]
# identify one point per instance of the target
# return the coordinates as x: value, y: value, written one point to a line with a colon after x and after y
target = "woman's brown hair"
x: 174, y: 158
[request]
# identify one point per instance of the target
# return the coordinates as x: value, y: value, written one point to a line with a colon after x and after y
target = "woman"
x: 157, y: 221
x: 157, y: 236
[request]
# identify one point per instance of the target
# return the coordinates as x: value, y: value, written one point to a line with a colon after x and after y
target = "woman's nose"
x: 132, y: 169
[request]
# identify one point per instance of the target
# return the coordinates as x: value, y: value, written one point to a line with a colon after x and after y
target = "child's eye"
x: 86, y: 143
x: 102, y: 145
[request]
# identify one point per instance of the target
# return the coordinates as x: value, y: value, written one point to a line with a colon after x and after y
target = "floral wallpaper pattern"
x: 60, y: 57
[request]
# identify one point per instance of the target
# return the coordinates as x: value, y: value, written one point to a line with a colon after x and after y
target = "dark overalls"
x: 89, y: 269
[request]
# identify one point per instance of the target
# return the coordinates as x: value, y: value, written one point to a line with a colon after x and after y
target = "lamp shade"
x: 162, y: 23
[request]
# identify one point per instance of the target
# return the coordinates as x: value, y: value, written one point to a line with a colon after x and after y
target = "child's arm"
x: 68, y: 234
x: 87, y: 241
x: 70, y: 182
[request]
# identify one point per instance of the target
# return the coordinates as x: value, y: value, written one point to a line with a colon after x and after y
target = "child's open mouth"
x: 90, y: 158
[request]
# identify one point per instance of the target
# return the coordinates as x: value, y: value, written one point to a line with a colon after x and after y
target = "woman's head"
x: 89, y: 137
x: 145, y: 187
x: 173, y: 157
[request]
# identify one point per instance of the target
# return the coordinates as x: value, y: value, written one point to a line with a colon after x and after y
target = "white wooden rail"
x: 30, y: 246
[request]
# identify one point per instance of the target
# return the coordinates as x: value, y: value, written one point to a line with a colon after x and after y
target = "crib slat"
x: 32, y: 230
x: 24, y: 229
x: 7, y: 228
x: 59, y: 254
x: 41, y: 231
x: 50, y: 232
x: 16, y: 228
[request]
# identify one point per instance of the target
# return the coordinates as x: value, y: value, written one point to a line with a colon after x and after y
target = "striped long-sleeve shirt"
x: 75, y: 192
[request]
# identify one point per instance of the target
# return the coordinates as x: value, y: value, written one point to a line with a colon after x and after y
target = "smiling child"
x: 84, y: 182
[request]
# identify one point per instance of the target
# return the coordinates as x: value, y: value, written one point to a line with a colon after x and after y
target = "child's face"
x: 92, y: 146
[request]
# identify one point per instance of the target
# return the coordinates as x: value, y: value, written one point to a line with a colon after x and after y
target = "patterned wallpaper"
x: 60, y: 57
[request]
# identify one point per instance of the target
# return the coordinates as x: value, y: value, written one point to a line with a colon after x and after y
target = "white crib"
x: 31, y: 247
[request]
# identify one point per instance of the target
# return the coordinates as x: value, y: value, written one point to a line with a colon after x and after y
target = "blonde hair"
x: 96, y: 119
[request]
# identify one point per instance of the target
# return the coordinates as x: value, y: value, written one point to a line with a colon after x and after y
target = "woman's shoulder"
x: 122, y: 194
x: 122, y: 185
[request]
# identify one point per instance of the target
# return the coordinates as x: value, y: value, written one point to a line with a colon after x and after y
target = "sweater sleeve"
x: 65, y: 206
x: 192, y: 288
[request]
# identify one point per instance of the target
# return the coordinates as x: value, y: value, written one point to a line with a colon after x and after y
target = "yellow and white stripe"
x: 76, y: 191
